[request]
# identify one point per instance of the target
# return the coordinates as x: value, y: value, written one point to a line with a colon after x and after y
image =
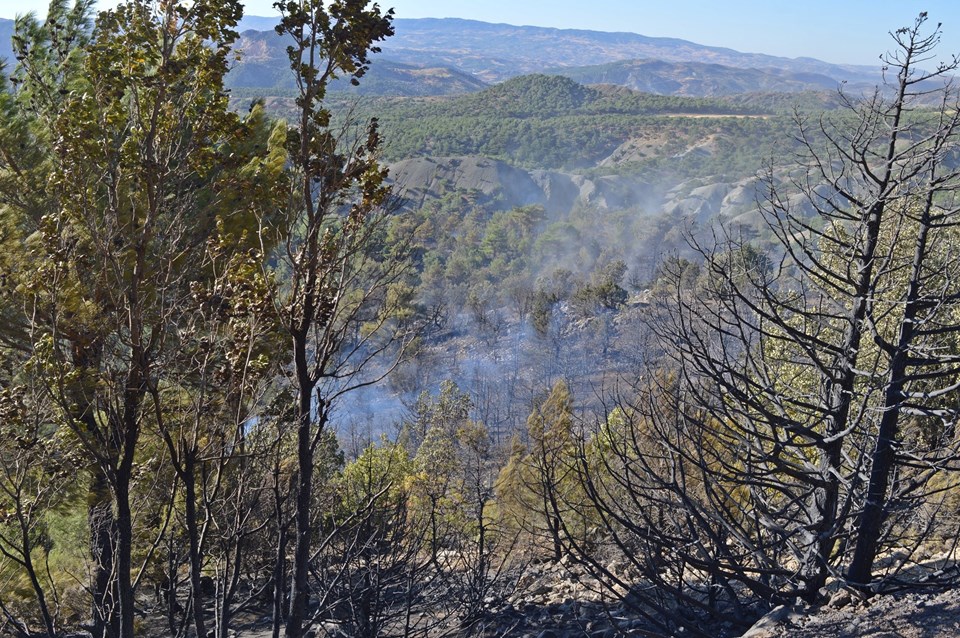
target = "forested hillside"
x: 552, y: 122
x: 534, y: 359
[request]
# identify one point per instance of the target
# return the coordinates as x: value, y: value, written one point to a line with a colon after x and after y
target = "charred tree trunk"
x: 103, y: 530
x: 883, y: 459
x: 127, y: 609
x: 279, y: 581
x: 279, y: 578
x: 303, y: 530
x: 193, y: 538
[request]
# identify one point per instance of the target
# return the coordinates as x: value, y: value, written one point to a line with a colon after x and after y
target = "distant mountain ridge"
x: 444, y: 56
x: 466, y: 55
x: 695, y: 78
x: 264, y: 65
x: 515, y: 50
x: 258, y: 23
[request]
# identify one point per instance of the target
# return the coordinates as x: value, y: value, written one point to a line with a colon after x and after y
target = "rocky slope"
x: 423, y: 178
x: 918, y: 614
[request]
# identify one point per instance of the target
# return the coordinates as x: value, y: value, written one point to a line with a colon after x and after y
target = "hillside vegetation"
x: 552, y: 122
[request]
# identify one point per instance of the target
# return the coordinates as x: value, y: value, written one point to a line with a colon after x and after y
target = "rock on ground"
x: 933, y: 614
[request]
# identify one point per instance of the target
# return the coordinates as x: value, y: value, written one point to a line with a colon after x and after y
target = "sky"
x: 839, y: 31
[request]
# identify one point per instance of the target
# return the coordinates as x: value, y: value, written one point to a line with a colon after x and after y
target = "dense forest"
x: 542, y: 121
x: 251, y: 385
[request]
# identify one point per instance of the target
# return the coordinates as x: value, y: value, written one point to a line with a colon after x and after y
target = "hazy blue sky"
x: 851, y: 31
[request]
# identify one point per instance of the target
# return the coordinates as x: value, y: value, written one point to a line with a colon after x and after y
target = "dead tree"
x: 780, y: 433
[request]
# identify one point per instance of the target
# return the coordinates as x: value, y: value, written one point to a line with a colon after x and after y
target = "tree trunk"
x: 301, y: 556
x: 104, y: 617
x: 124, y: 561
x: 193, y: 537
x: 279, y: 577
x: 884, y: 456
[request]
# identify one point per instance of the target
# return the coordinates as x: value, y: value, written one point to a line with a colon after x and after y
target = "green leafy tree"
x: 379, y: 553
x: 438, y: 481
x: 335, y: 302
x: 37, y: 467
x: 538, y: 482
x: 134, y: 149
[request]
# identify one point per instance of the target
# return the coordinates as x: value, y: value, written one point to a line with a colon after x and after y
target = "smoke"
x: 491, y: 259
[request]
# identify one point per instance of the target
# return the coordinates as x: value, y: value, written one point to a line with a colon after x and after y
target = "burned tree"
x: 779, y: 443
